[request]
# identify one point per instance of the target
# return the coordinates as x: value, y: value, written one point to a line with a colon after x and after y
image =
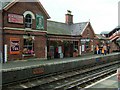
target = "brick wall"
x: 39, y: 44
x: 88, y: 32
x: 40, y: 36
x: 113, y: 46
x: 20, y: 8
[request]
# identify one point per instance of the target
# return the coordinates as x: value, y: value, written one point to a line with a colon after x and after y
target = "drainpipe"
x: 1, y: 33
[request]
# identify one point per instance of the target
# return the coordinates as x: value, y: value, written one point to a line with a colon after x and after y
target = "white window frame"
x: 26, y: 37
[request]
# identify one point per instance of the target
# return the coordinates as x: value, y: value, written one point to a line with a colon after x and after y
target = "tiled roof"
x: 105, y: 32
x: 3, y: 3
x: 57, y: 28
x: 100, y: 36
x: 65, y: 29
x: 77, y: 28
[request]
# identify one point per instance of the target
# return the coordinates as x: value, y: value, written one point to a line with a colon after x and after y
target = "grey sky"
x: 103, y: 14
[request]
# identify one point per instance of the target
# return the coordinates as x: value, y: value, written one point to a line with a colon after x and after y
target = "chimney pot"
x: 69, y: 12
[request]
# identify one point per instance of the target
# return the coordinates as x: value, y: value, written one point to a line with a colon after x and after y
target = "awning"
x: 59, y: 39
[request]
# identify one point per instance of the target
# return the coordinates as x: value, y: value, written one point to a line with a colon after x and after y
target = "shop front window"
x: 28, y: 48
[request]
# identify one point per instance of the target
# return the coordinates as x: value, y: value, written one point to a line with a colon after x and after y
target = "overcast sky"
x: 103, y: 14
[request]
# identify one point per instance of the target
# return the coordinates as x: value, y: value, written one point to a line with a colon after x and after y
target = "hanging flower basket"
x: 29, y: 40
x: 26, y: 51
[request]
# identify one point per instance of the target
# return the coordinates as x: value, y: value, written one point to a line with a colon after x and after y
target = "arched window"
x: 28, y: 21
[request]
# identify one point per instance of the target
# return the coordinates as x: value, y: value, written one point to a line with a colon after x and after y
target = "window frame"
x: 27, y: 22
x: 27, y: 46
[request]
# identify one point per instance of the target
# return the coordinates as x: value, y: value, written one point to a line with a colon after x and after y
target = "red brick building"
x: 114, y: 37
x: 25, y: 29
x: 28, y: 34
x: 69, y: 39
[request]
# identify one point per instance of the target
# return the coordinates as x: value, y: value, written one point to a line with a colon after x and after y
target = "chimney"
x: 69, y: 17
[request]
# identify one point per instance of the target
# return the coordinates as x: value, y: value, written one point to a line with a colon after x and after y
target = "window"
x: 28, y: 21
x: 87, y: 44
x: 28, y: 48
x: 75, y: 43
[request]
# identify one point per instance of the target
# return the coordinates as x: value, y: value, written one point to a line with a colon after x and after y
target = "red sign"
x: 14, y: 45
x: 38, y: 71
x: 14, y: 18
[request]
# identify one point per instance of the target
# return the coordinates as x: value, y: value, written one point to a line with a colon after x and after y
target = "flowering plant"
x: 27, y: 51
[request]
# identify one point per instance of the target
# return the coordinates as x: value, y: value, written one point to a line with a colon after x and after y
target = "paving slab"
x: 109, y: 82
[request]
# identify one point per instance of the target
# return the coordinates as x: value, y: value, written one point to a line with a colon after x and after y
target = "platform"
x: 109, y: 82
x: 31, y: 68
x: 22, y: 64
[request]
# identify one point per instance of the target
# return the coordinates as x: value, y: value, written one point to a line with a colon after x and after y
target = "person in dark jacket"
x: 108, y: 48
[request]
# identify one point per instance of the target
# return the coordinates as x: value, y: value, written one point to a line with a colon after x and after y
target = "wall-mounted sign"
x: 15, y: 18
x: 39, y: 22
x: 14, y: 45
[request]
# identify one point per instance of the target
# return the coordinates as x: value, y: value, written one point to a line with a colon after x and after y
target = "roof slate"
x: 77, y: 28
x: 57, y: 28
x: 3, y: 3
x: 65, y: 29
x: 100, y: 36
x: 105, y: 32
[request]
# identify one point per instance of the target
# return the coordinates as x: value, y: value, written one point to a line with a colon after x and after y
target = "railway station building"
x: 114, y: 36
x: 28, y: 34
x: 69, y: 39
x: 24, y: 30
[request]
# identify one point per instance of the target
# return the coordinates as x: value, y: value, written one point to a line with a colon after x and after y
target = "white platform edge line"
x: 101, y: 80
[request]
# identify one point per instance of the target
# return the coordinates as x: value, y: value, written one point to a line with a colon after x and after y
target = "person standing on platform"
x: 105, y: 49
x: 97, y: 49
x: 108, y: 48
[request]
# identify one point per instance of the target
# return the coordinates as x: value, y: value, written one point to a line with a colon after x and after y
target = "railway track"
x: 74, y: 79
x: 79, y: 79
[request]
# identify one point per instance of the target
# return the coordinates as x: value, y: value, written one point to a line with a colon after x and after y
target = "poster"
x: 59, y: 49
x: 39, y: 22
x: 83, y: 48
x: 79, y: 50
x: 14, y: 45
